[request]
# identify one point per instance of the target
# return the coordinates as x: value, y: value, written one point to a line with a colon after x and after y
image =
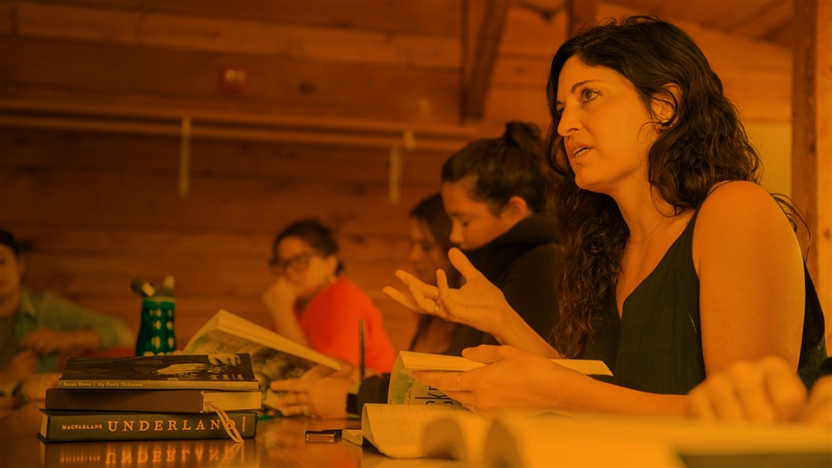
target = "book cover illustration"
x: 216, y: 371
x: 267, y: 364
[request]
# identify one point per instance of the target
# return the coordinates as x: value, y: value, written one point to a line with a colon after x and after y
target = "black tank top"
x: 657, y: 346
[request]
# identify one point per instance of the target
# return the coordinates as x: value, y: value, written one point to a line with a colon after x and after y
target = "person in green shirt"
x: 36, y: 327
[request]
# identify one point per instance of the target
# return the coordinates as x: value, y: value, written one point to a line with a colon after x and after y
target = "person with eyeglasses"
x: 312, y: 304
x: 343, y: 394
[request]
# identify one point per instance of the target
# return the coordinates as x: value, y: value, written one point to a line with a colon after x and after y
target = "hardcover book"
x: 405, y: 390
x: 151, y: 401
x: 171, y: 371
x: 71, y: 426
x: 273, y: 357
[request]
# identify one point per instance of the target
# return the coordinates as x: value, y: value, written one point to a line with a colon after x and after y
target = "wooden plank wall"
x: 756, y: 75
x: 98, y: 209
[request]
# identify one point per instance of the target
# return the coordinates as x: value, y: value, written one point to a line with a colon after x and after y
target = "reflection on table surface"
x: 279, y: 442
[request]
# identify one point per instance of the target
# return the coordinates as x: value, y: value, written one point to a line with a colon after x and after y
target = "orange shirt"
x: 330, y: 324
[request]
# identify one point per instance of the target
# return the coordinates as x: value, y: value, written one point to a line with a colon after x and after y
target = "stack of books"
x: 204, y: 396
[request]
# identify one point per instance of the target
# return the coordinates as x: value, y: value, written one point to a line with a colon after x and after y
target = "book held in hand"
x: 273, y: 357
x: 226, y: 371
x: 405, y: 390
x: 151, y: 401
x: 70, y: 426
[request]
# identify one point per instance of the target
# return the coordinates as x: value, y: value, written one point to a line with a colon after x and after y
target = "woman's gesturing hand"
x: 478, y: 303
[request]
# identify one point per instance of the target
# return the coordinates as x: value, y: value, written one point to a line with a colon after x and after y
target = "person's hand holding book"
x: 318, y: 398
x: 513, y: 379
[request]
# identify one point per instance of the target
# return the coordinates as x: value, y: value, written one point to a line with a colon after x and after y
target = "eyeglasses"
x: 297, y: 263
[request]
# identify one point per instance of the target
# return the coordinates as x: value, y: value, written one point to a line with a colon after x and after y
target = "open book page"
x: 461, y: 438
x: 398, y: 430
x: 694, y: 437
x: 405, y: 390
x: 590, y: 440
x: 539, y: 441
x: 273, y: 357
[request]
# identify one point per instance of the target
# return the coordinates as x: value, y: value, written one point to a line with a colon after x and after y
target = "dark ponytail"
x: 504, y: 167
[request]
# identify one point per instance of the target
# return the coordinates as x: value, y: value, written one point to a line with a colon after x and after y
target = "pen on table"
x: 361, y: 349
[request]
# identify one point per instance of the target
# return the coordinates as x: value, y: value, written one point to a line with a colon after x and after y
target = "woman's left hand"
x: 512, y: 379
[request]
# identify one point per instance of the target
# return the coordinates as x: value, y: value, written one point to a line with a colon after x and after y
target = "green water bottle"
x: 156, y: 330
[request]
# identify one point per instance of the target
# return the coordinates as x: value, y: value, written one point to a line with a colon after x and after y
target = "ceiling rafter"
x: 477, y: 73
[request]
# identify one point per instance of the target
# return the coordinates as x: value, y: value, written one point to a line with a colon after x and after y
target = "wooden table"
x: 279, y: 443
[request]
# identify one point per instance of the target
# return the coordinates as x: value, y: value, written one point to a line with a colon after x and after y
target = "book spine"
x: 150, y: 401
x: 100, y: 384
x: 70, y: 426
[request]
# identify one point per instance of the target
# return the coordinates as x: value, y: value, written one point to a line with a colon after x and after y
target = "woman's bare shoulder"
x: 739, y: 202
x: 739, y: 215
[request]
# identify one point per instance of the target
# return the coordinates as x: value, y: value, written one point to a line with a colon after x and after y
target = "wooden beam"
x: 581, y: 14
x: 475, y: 87
x: 812, y: 139
x: 149, y: 28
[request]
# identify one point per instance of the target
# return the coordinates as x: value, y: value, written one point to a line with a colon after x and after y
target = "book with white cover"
x: 405, y: 390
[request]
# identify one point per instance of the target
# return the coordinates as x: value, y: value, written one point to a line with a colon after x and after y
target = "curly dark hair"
x: 510, y: 165
x: 701, y: 144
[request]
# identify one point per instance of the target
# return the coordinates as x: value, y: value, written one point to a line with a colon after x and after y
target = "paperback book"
x: 71, y: 426
x: 273, y: 357
x: 406, y: 390
x: 151, y: 401
x: 230, y: 372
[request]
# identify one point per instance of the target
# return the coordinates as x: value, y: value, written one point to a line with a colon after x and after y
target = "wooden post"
x: 477, y: 71
x: 812, y: 139
x: 185, y: 158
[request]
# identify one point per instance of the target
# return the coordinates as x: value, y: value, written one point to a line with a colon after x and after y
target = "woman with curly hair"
x: 676, y: 262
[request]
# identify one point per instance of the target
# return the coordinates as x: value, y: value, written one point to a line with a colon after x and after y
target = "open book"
x: 273, y: 357
x: 405, y: 390
x: 448, y: 432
